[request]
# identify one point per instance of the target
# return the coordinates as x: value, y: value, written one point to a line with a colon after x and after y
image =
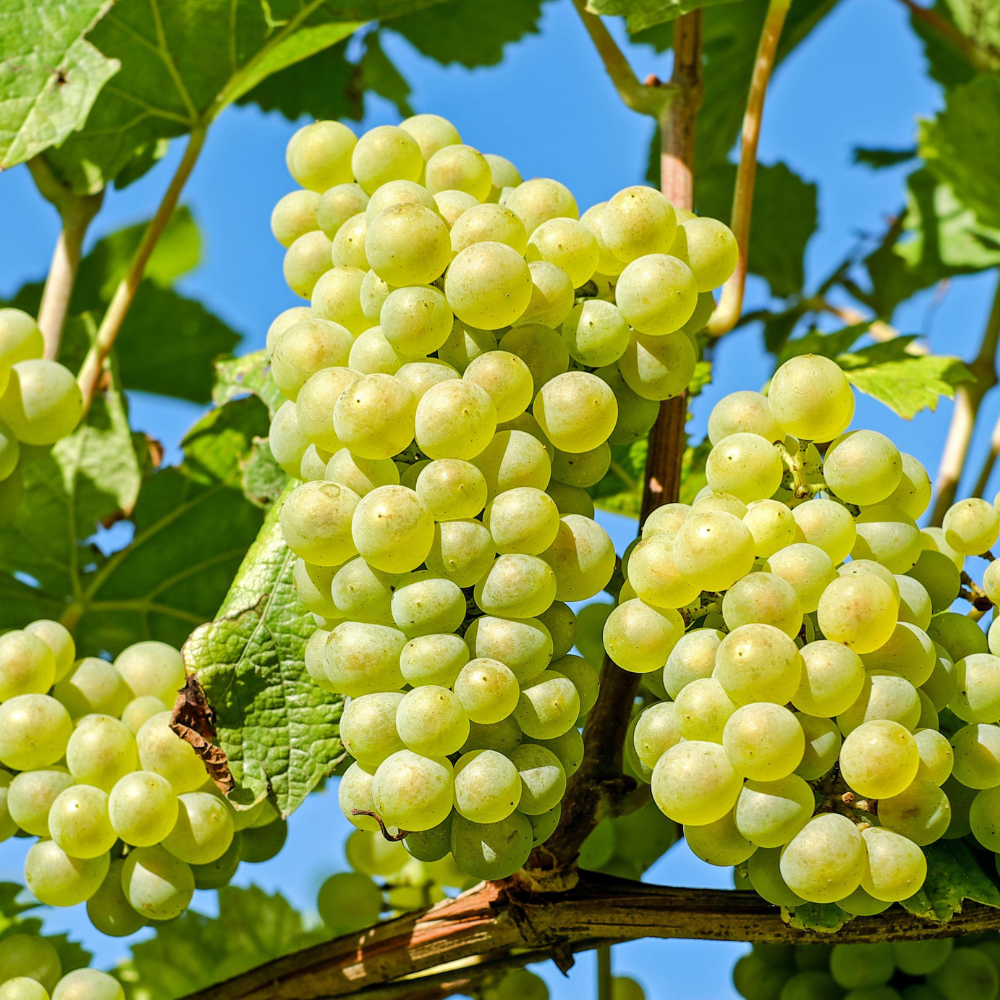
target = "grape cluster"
x: 30, y: 969
x: 471, y: 351
x: 126, y: 817
x: 941, y: 969
x: 40, y: 403
x: 824, y: 716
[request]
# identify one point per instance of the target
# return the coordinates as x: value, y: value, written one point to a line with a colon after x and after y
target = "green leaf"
x: 962, y: 146
x: 263, y: 479
x: 249, y: 373
x: 195, y: 951
x: 826, y: 918
x: 71, y: 953
x: 278, y: 728
x: 50, y: 74
x: 469, y: 32
x: 953, y: 875
x: 976, y: 20
x: 642, y: 14
x: 380, y: 76
x: 693, y: 478
x: 879, y: 159
x: 620, y: 490
x: 830, y: 345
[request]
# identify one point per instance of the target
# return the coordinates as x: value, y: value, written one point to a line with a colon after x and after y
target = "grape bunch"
x: 966, y: 968
x: 823, y: 715
x: 31, y: 969
x: 126, y: 816
x: 471, y: 351
x: 40, y: 403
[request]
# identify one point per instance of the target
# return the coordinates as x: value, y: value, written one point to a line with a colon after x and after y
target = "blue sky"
x: 859, y: 80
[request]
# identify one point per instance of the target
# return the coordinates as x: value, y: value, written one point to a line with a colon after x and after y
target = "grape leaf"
x: 263, y: 479
x: 278, y: 728
x: 246, y: 374
x: 879, y: 159
x: 977, y: 20
x: 823, y: 917
x: 962, y: 146
x: 380, y: 76
x: 953, y: 874
x: 830, y: 345
x: 693, y: 478
x: 50, y: 74
x: 620, y: 490
x: 641, y: 14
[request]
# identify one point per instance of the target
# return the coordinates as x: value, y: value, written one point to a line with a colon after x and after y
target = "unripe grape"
x: 825, y: 861
x: 709, y: 248
x: 694, y: 783
x: 488, y: 285
x: 771, y: 813
x: 307, y: 259
x: 638, y: 221
x: 970, y: 526
x: 56, y: 879
x: 318, y: 156
x: 337, y: 204
x: 487, y: 786
x: 336, y: 296
x: 862, y: 467
x: 413, y: 792
x: 569, y: 245
x: 810, y: 397
x: 34, y: 731
x: 537, y: 200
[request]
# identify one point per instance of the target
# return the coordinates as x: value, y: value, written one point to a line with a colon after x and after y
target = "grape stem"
x: 76, y: 213
x: 399, y: 835
x: 976, y: 596
x: 93, y: 364
x: 968, y: 398
x: 604, y: 979
x: 727, y: 313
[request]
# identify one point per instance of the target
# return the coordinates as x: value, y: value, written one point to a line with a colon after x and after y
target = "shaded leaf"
x: 827, y: 344
x: 250, y: 373
x: 277, y: 727
x: 953, y: 874
x: 823, y: 917
x: 976, y: 19
x: 50, y: 75
x: 641, y: 14
x: 879, y: 159
x: 620, y: 490
x: 380, y: 76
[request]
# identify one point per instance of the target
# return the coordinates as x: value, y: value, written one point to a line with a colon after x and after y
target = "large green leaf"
x: 953, y: 874
x: 50, y: 75
x: 642, y: 14
x: 277, y: 727
x: 962, y: 146
x: 977, y: 20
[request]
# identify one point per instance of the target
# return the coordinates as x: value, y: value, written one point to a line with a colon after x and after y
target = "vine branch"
x: 968, y: 398
x: 727, y: 313
x: 125, y: 292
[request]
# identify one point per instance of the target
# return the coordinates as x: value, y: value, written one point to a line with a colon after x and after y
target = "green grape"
x: 879, y: 759
x: 636, y: 414
x: 542, y: 351
x: 456, y: 167
x: 959, y: 635
x: 513, y: 458
x: 576, y: 410
x: 56, y: 879
x: 349, y: 902
x: 551, y: 298
x: 548, y: 706
x: 282, y: 322
x: 487, y: 786
x: 860, y: 904
x: 542, y: 776
x: 319, y: 155
x: 624, y: 988
x: 936, y: 756
x: 336, y: 296
x: 568, y: 244
x: 914, y: 602
x: 362, y: 593
x: 413, y: 792
x: 639, y: 638
x: 833, y: 678
x: 540, y: 199
x: 524, y: 520
x: 908, y: 652
x: 94, y: 685
x: 913, y: 494
x: 658, y: 367
x: 204, y: 829
x: 693, y: 783
x: 823, y: 742
x: 42, y: 402
x: 571, y: 499
x: 158, y: 885
x: 34, y: 731
x: 304, y: 349
x: 165, y: 753
x: 827, y: 525
x: 977, y: 756
x: 811, y: 985
x: 416, y: 320
x: 432, y: 132
x: 20, y: 340
x: 259, y: 844
x: 991, y: 581
x: 313, y: 587
x: 79, y: 823
x: 419, y: 376
x: 984, y: 818
x: 30, y: 796
x: 765, y: 875
x: 462, y: 551
x: 101, y: 751
x: 771, y: 813
x: 22, y: 988
x: 465, y: 344
x: 287, y: 440
x: 656, y: 293
x: 763, y: 741
x: 857, y: 610
x: 692, y: 657
x: 27, y: 664
x: 504, y: 174
x: 896, y: 866
x: 501, y: 736
x: 316, y: 522
x: 655, y: 732
x: 653, y: 573
x: 488, y: 224
x: 810, y: 397
x: 372, y: 354
x: 430, y: 845
x: 638, y: 221
x: 424, y: 603
x: 488, y: 691
x: 970, y: 526
x: 867, y: 567
x: 8, y: 825
x: 397, y: 193
x: 516, y: 586
x: 507, y: 380
x: 862, y: 467
x: 607, y: 263
x: 921, y: 812
x: 993, y: 639
x: 491, y: 850
x: 307, y: 259
x: 929, y: 718
x: 372, y: 295
x: 743, y: 412
x: 88, y: 984
x: 219, y: 873
x: 455, y: 419
x: 355, y: 793
x: 384, y: 154
x: 143, y: 808
x: 584, y: 677
x: 393, y: 529
x: 28, y: 956
x: 109, y: 909
x: 58, y: 638
x: 709, y: 248
x: 887, y: 536
x: 488, y: 285
x: 861, y: 966
x: 758, y: 979
x: 371, y: 854
x: 967, y: 974
x: 337, y: 204
x: 760, y: 598
x: 918, y: 958
x: 977, y: 695
x: 708, y: 500
x: 719, y: 843
x: 746, y: 465
x: 713, y: 549
x: 433, y: 659
x: 808, y: 569
x: 582, y: 556
x: 702, y: 710
x: 757, y: 663
x: 432, y: 721
x: 524, y: 646
x: 360, y: 658
x: 152, y: 668
x: 825, y: 860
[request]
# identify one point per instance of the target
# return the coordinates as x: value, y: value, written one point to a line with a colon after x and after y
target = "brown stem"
x: 968, y: 397
x: 991, y: 457
x: 127, y: 287
x: 967, y: 47
x: 498, y: 918
x: 727, y: 313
